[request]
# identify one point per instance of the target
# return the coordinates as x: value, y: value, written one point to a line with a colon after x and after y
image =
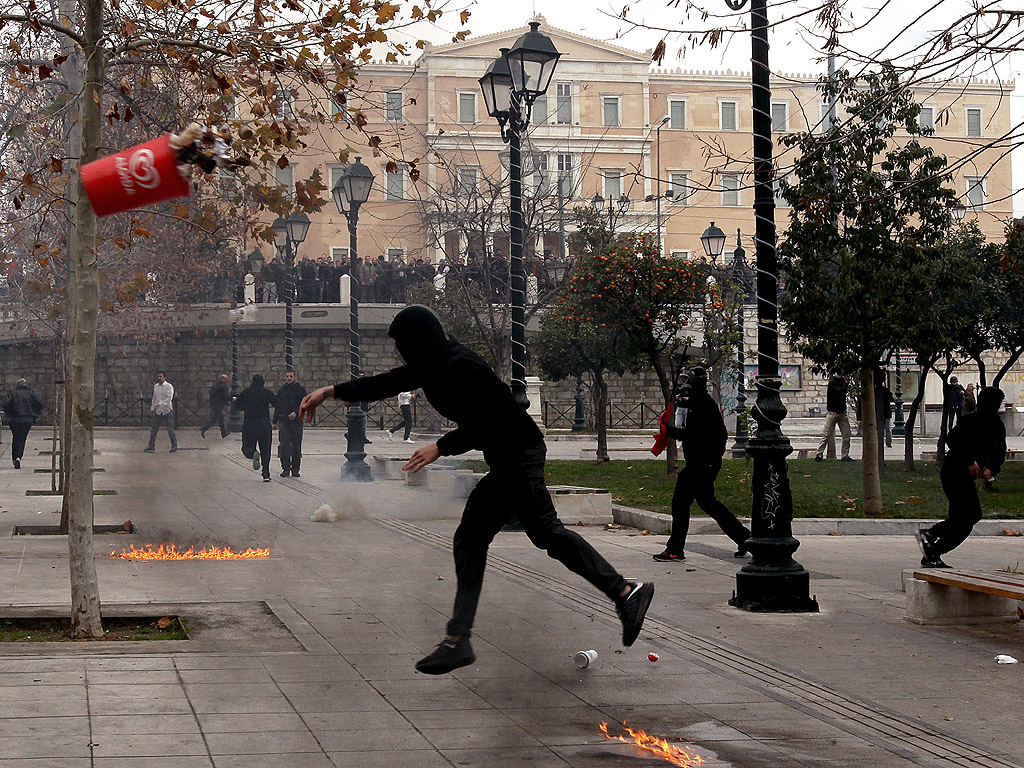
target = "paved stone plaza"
x: 310, y: 662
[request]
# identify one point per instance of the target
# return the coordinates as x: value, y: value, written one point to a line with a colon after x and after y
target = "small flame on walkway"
x: 170, y: 552
x: 670, y: 752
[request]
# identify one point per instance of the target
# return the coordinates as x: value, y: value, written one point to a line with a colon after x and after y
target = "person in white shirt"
x: 405, y: 403
x: 162, y: 408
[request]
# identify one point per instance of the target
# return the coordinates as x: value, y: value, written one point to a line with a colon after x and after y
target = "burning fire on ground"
x: 170, y: 552
x: 670, y: 752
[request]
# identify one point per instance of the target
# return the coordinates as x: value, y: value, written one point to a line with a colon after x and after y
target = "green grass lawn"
x: 828, y: 489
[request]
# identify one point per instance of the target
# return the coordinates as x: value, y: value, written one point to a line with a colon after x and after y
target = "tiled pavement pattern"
x: 365, y: 596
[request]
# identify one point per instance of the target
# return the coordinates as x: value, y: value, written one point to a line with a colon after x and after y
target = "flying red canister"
x: 136, y: 177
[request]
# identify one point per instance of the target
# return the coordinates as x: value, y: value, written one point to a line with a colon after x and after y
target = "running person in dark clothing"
x: 976, y: 448
x: 703, y: 435
x: 220, y: 398
x: 464, y: 389
x: 289, y: 425
x: 257, y: 430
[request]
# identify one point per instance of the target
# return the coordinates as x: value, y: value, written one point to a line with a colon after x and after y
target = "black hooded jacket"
x: 290, y: 396
x: 254, y: 402
x: 979, y: 436
x: 458, y: 384
x: 705, y: 435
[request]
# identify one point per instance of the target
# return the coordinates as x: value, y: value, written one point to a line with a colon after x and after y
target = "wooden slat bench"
x: 947, y: 596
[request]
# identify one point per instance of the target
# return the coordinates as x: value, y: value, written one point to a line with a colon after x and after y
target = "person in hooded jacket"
x: 975, y: 448
x: 257, y: 429
x: 463, y: 388
x: 22, y: 408
x: 703, y: 436
x: 289, y: 425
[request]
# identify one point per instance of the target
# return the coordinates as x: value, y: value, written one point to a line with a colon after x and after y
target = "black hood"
x: 418, y: 334
x: 989, y: 399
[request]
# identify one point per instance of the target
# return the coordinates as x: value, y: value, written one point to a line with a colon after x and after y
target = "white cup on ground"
x: 584, y: 659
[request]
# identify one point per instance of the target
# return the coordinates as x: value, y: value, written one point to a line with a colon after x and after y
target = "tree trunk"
x: 1003, y: 369
x: 601, y: 416
x: 872, y: 483
x: 85, y: 597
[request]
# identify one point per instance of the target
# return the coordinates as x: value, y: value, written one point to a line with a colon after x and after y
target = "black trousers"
x: 289, y: 443
x: 964, y: 508
x: 19, y: 434
x: 405, y: 422
x: 258, y: 433
x: 697, y: 483
x: 518, y: 489
x: 216, y: 417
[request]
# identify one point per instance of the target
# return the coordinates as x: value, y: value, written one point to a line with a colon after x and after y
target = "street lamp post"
x: 741, y: 278
x: 773, y: 580
x: 511, y: 84
x: 350, y: 191
x: 614, y: 208
x: 657, y: 173
x: 898, y: 425
x: 288, y: 236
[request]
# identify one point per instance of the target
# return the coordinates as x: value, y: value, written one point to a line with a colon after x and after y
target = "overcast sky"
x: 793, y: 48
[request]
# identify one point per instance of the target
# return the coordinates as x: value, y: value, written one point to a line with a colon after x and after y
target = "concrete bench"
x: 589, y: 506
x: 1011, y: 455
x: 945, y: 596
x: 387, y: 467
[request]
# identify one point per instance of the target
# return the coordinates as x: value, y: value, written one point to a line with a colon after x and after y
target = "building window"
x: 395, y: 185
x: 339, y: 105
x: 780, y: 116
x: 287, y: 106
x: 610, y: 110
x: 284, y: 178
x: 677, y: 114
x: 394, y: 106
x: 727, y: 115
x: 926, y: 120
x: 540, y: 175
x: 339, y: 254
x: 780, y: 201
x: 679, y: 186
x: 333, y: 174
x: 684, y: 255
x: 612, y: 185
x: 730, y: 189
x: 394, y: 253
x: 467, y: 107
x: 466, y: 181
x: 539, y: 115
x: 974, y: 121
x: 565, y: 175
x: 976, y: 192
x: 563, y: 103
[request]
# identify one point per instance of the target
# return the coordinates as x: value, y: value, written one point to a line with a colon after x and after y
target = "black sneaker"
x: 17, y: 463
x: 266, y: 478
x: 632, y: 608
x: 256, y: 461
x: 448, y: 656
x: 741, y: 550
x: 846, y: 458
x: 926, y: 541
x: 202, y: 433
x: 668, y: 557
x: 295, y: 473
x: 285, y: 473
x: 173, y: 450
x: 149, y: 450
x: 818, y: 458
x: 933, y: 562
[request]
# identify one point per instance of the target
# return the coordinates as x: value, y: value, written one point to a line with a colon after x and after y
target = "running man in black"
x: 257, y: 429
x: 976, y: 448
x: 703, y: 435
x: 463, y: 388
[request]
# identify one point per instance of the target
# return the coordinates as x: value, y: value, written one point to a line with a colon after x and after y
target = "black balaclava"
x: 418, y: 334
x: 257, y: 380
x: 699, y: 378
x: 989, y: 399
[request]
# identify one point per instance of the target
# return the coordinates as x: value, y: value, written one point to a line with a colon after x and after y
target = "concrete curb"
x: 657, y: 522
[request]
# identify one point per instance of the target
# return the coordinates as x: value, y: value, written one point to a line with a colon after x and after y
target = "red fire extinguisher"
x: 147, y: 173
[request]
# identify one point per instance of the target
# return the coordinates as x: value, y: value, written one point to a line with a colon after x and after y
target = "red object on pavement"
x: 653, y: 656
x: 133, y: 178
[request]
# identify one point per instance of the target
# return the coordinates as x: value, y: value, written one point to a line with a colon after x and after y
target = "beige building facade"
x: 611, y: 124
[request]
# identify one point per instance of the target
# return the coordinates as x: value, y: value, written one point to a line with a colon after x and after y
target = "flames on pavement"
x: 170, y: 552
x: 670, y: 752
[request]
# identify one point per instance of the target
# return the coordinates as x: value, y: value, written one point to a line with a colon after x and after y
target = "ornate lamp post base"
x: 355, y: 469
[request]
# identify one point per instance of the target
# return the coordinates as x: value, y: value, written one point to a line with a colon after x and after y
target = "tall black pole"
x: 740, y: 272
x: 355, y: 469
x: 518, y: 277
x: 773, y: 580
x: 235, y: 417
x: 898, y: 426
x: 289, y: 250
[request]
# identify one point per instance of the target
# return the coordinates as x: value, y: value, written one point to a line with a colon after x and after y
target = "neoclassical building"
x: 611, y: 124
